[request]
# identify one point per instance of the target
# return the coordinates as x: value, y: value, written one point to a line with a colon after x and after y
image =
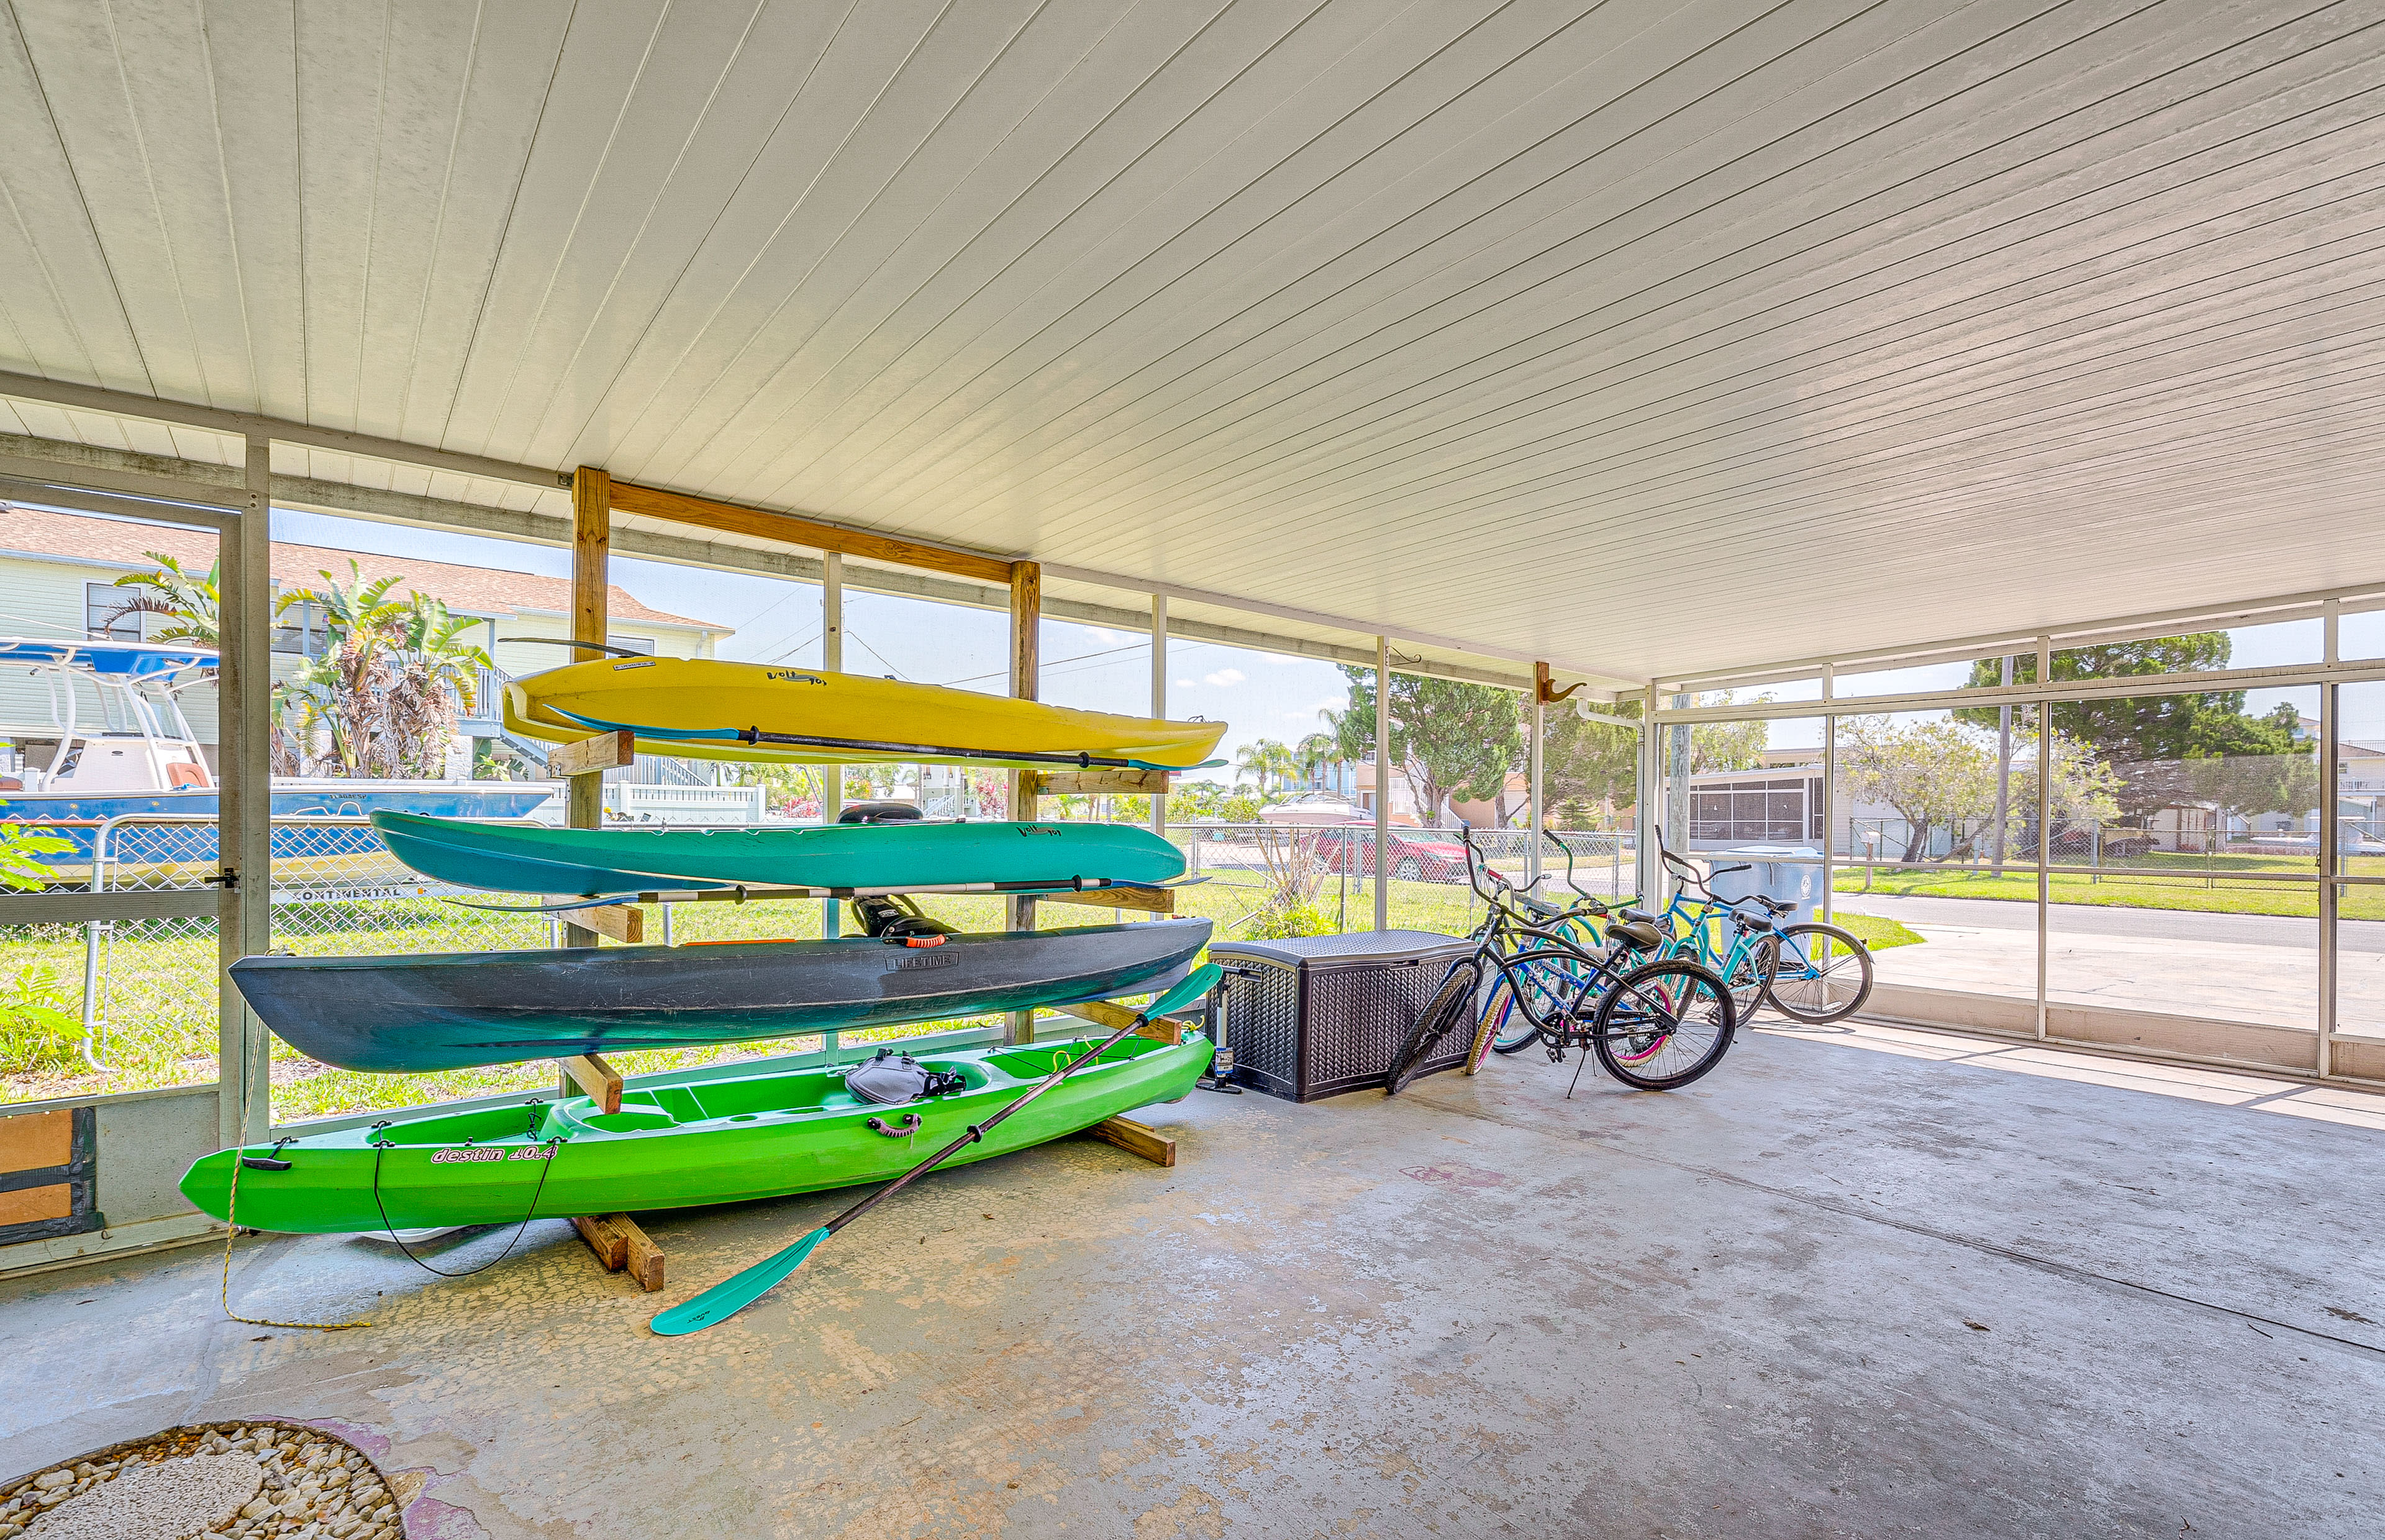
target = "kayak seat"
x: 880, y: 812
x: 895, y: 918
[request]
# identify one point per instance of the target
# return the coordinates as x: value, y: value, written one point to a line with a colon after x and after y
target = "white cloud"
x: 1224, y: 677
x: 1185, y: 684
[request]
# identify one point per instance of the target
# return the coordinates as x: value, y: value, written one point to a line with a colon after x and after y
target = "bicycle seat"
x: 1775, y: 905
x: 1638, y: 917
x: 1639, y: 935
x: 1749, y: 921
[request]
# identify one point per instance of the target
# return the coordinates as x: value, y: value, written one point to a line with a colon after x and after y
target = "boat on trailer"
x: 677, y: 1142
x: 119, y: 746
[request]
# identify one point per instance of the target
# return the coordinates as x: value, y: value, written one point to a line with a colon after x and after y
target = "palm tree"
x: 1316, y: 752
x: 193, y: 603
x: 1264, y: 760
x: 386, y: 688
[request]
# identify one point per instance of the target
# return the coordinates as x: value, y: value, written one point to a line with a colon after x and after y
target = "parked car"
x: 2118, y: 844
x: 1351, y: 849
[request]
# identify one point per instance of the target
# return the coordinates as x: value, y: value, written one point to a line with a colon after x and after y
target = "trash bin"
x: 1786, y: 873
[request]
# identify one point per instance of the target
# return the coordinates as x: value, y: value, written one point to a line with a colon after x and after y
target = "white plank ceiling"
x: 1651, y: 336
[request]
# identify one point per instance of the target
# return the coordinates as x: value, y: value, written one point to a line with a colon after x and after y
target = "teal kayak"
x: 677, y: 1142
x: 513, y: 858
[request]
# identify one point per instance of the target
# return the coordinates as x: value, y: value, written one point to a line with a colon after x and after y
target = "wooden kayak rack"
x: 616, y: 1239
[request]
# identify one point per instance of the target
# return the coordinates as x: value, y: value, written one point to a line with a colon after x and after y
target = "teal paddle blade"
x: 725, y: 1299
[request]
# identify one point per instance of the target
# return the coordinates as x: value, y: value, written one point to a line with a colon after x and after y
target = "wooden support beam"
x: 1109, y: 1017
x: 599, y: 1079
x: 1136, y: 1139
x: 1026, y: 625
x: 732, y: 518
x: 624, y: 923
x: 618, y: 1244
x: 1147, y: 901
x: 592, y: 535
x: 592, y: 755
x: 1079, y: 783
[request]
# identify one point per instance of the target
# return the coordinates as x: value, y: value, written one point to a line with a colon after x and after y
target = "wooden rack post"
x: 1025, y: 621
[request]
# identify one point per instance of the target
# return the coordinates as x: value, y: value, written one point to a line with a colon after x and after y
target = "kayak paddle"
x: 725, y: 1299
x: 873, y: 748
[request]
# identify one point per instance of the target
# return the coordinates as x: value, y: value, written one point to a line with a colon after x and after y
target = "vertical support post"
x: 1159, y: 697
x: 1538, y: 815
x: 2044, y: 839
x: 244, y: 793
x: 2045, y: 823
x: 1026, y: 623
x: 2004, y: 768
x: 1643, y: 838
x: 833, y: 660
x: 1383, y: 781
x: 2330, y: 853
x: 592, y: 538
x: 1831, y: 793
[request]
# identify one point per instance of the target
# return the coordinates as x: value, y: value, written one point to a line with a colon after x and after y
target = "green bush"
x: 36, y: 1032
x: 1294, y: 920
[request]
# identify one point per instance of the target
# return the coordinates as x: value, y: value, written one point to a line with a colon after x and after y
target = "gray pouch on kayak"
x: 890, y: 1082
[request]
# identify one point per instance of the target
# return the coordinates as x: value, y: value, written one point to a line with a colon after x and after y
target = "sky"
x: 1257, y: 694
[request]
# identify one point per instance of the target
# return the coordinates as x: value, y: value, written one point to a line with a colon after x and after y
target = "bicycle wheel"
x: 1450, y: 1008
x: 1824, y: 974
x: 1511, y: 1030
x: 1664, y: 1024
x: 1752, y: 968
x: 1487, y: 1021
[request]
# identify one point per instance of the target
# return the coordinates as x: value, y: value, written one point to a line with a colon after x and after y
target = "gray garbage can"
x: 1786, y: 873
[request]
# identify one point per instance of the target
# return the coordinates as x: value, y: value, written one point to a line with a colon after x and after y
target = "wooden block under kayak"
x: 619, y: 1244
x: 1136, y: 1139
x: 599, y: 1079
x: 1082, y: 783
x: 624, y: 923
x: 604, y: 752
x: 1153, y: 900
x: 1100, y: 1013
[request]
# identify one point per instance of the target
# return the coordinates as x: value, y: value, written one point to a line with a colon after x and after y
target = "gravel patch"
x: 253, y: 1480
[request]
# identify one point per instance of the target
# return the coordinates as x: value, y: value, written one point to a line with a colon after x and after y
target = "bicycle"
x: 1654, y: 1026
x: 1811, y: 971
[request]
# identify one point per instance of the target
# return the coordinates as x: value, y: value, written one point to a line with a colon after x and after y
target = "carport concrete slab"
x: 1825, y: 1292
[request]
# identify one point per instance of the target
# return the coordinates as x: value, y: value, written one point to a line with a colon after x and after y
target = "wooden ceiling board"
x: 1520, y: 325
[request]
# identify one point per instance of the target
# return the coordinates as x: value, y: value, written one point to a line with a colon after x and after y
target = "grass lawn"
x: 159, y: 990
x: 1874, y: 932
x: 2135, y: 888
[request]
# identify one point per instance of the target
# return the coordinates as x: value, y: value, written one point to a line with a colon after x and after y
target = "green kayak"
x: 674, y: 1144
x: 882, y: 857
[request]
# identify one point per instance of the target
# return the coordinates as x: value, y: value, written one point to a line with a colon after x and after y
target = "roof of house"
x: 465, y: 590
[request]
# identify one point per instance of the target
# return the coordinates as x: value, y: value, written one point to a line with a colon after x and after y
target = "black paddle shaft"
x: 1080, y: 760
x: 976, y: 1131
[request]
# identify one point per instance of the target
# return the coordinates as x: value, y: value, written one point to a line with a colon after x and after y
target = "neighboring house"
x: 57, y: 580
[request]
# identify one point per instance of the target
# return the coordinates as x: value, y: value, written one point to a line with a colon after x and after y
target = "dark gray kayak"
x: 445, y: 1012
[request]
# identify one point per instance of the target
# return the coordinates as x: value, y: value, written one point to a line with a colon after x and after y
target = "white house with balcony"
x: 58, y: 575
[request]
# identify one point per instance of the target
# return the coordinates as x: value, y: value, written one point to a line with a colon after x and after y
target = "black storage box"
x: 1323, y: 1015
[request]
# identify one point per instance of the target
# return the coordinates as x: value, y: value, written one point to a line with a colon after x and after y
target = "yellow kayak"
x: 702, y: 708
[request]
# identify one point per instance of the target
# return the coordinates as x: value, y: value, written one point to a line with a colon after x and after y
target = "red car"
x: 1412, y: 856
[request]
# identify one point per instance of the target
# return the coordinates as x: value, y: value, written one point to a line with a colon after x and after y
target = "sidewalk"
x: 2223, y: 967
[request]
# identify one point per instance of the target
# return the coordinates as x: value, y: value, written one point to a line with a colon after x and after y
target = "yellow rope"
x: 232, y: 1232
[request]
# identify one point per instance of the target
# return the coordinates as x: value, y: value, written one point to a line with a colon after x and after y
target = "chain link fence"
x: 131, y: 1004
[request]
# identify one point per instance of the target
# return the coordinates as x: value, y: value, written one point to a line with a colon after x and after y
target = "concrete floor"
x: 1742, y: 1310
